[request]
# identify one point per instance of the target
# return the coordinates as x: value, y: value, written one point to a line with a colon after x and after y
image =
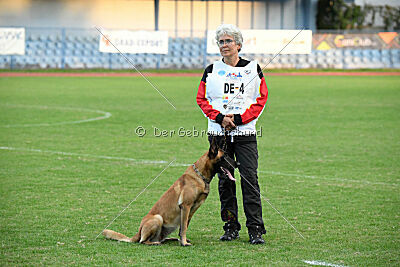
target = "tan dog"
x: 176, y: 207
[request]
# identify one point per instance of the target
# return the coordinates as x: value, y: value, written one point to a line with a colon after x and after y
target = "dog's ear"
x: 213, y: 151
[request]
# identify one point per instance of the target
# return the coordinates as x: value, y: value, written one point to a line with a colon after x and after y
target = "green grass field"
x: 329, y: 162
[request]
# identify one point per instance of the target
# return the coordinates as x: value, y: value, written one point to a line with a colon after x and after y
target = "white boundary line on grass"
x: 106, y: 115
x: 327, y: 178
x: 136, y: 161
x: 322, y: 263
x: 141, y: 161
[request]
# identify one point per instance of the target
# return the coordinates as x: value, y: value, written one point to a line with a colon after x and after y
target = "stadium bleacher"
x: 73, y: 49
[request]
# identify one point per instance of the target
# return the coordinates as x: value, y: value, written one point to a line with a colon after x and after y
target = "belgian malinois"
x: 177, y: 206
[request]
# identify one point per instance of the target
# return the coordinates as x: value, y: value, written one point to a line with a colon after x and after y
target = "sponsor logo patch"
x: 234, y: 76
x: 221, y: 73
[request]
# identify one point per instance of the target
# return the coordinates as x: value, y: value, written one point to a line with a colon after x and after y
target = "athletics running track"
x: 132, y: 74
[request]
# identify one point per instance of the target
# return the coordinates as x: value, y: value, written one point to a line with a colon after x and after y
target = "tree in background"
x: 391, y: 17
x: 337, y: 15
x: 329, y: 13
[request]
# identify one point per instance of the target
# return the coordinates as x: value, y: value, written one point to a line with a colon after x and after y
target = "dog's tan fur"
x: 176, y: 207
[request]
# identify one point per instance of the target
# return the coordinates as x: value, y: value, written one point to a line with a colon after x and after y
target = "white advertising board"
x: 12, y: 41
x: 268, y: 42
x: 153, y: 42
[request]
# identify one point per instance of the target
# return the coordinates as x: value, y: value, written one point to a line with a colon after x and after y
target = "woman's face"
x: 227, y: 46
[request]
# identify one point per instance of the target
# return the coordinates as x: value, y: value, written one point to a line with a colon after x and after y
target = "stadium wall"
x: 183, y: 18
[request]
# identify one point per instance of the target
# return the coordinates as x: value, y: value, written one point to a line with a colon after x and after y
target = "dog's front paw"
x: 185, y: 242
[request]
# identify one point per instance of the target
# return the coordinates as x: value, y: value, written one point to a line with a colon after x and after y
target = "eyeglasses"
x: 227, y: 42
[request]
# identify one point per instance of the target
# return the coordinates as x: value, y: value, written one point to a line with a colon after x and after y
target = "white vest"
x: 232, y: 90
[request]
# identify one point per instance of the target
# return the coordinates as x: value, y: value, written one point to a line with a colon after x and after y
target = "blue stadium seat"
x: 51, y: 38
x: 69, y: 46
x: 347, y: 53
x: 70, y: 38
x: 367, y: 53
x: 385, y: 53
x: 376, y: 53
x: 79, y: 46
x: 79, y: 39
x: 42, y: 37
x: 77, y: 52
x: 87, y: 52
x: 395, y: 59
x: 337, y: 52
x: 357, y: 53
x: 20, y: 60
x: 4, y: 62
x: 176, y: 46
x: 50, y: 45
x: 180, y: 40
x: 166, y: 62
x: 34, y: 37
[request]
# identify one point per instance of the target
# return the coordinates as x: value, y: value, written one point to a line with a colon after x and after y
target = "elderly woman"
x: 232, y: 95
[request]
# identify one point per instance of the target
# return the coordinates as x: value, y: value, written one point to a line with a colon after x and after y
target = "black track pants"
x: 244, y: 150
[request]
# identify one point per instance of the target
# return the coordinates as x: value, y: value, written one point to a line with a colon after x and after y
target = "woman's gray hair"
x: 231, y: 30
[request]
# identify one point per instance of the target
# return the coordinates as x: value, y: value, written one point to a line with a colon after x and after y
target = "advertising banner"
x: 135, y: 42
x: 381, y: 40
x: 269, y: 42
x: 12, y: 41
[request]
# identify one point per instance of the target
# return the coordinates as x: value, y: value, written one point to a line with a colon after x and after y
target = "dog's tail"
x: 110, y: 234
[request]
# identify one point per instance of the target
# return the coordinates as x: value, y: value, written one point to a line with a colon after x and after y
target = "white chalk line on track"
x: 142, y: 161
x: 322, y: 263
x: 105, y: 114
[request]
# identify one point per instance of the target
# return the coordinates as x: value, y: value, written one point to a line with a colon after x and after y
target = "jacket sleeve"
x: 205, y: 106
x: 255, y: 109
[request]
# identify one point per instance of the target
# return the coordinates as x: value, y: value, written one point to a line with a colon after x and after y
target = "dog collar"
x: 200, y: 174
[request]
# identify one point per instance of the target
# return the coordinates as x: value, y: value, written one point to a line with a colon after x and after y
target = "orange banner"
x: 382, y: 40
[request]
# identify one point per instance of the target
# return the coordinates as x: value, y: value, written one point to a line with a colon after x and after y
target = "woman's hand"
x: 228, y: 123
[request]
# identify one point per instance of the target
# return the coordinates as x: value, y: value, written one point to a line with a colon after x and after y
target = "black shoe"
x: 231, y: 232
x: 255, y: 236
